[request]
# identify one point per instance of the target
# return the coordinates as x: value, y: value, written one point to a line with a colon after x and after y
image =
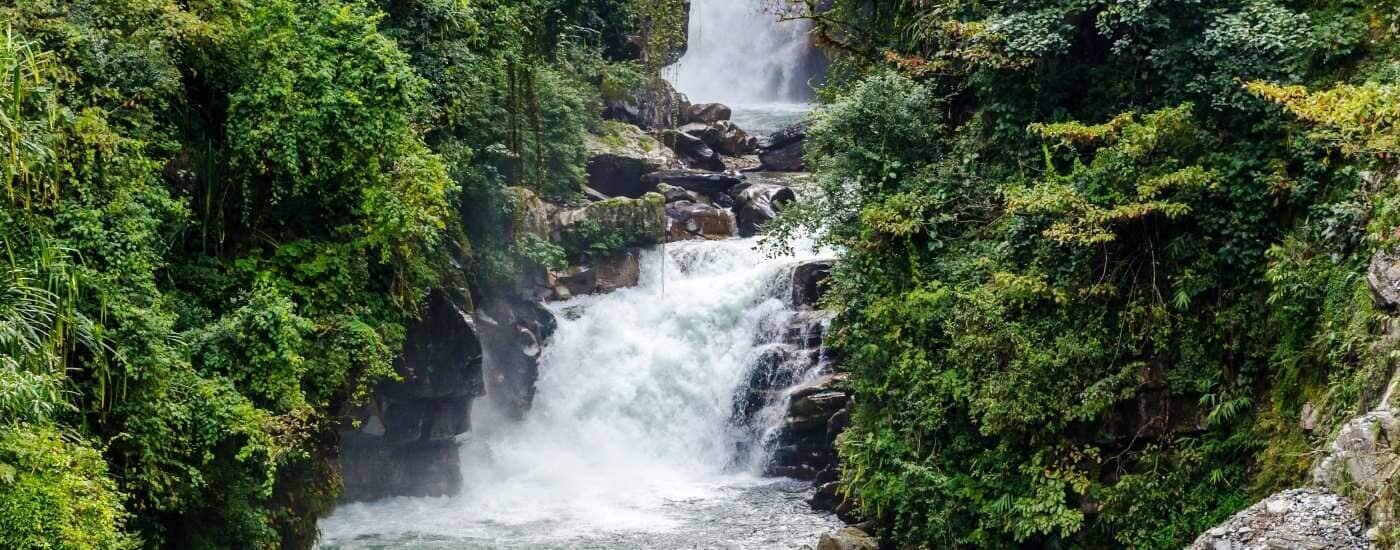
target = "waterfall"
x: 631, y: 441
x: 740, y: 53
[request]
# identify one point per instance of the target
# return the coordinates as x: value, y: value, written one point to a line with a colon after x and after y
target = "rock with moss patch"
x: 637, y: 222
x: 621, y: 155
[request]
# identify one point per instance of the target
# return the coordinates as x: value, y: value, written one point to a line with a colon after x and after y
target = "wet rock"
x: 848, y: 538
x: 1383, y: 277
x: 744, y: 163
x: 759, y: 203
x: 513, y: 334
x: 809, y: 283
x: 619, y: 158
x: 674, y: 194
x: 600, y: 276
x: 403, y: 444
x: 706, y: 113
x: 711, y: 184
x: 1310, y: 519
x: 692, y: 150
x: 722, y: 136
x: 782, y: 150
x: 701, y: 221
x: 806, y: 445
x: 532, y: 216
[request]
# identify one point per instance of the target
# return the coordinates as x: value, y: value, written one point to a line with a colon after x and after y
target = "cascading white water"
x: 741, y: 53
x: 630, y: 442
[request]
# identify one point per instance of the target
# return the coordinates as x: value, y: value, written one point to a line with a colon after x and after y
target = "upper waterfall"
x: 742, y: 53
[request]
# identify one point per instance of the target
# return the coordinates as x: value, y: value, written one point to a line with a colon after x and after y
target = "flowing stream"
x: 632, y: 440
x: 630, y: 443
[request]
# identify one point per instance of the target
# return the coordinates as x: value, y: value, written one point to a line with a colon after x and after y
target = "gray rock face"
x: 848, y: 538
x: 758, y: 204
x: 706, y: 113
x: 513, y: 334
x: 1383, y: 277
x: 656, y: 104
x: 807, y: 442
x: 1362, y: 460
x: 722, y: 136
x: 1304, y: 519
x: 619, y: 158
x: 404, y: 443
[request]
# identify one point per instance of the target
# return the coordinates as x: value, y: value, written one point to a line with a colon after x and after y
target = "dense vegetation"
x: 218, y: 217
x: 1100, y: 255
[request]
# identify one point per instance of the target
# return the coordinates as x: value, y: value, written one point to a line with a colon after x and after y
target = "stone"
x: 744, y: 163
x: 674, y: 194
x: 693, y: 151
x: 706, y: 113
x: 656, y: 104
x: 600, y: 276
x: 1311, y: 519
x: 404, y: 444
x: 513, y: 333
x: 848, y: 538
x: 1383, y: 278
x: 702, y: 221
x: 809, y: 283
x: 759, y: 203
x: 781, y: 151
x: 531, y: 215
x: 711, y: 184
x: 621, y: 155
x: 640, y: 221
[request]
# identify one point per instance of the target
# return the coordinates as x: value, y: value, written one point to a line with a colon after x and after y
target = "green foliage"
x: 55, y: 493
x: 1090, y: 277
x: 218, y: 218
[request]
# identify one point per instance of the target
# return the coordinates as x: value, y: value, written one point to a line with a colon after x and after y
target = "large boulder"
x: 706, y: 113
x: 598, y: 276
x: 759, y: 203
x: 781, y: 151
x: 513, y: 334
x: 639, y: 222
x: 700, y: 220
x: 621, y: 155
x: 807, y: 438
x: 402, y: 443
x: 722, y: 136
x: 809, y: 283
x: 711, y: 184
x: 1303, y: 519
x: 692, y: 150
x: 656, y: 104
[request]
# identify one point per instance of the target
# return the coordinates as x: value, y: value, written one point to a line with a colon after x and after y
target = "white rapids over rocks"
x: 629, y: 443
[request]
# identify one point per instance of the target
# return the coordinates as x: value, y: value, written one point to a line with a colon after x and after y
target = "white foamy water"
x: 630, y: 442
x: 740, y: 53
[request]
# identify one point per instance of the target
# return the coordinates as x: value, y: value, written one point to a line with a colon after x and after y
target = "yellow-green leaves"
x: 1358, y: 119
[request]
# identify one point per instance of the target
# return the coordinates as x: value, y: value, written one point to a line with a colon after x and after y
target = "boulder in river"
x: 700, y: 220
x: 710, y: 184
x: 638, y: 222
x: 621, y: 155
x: 809, y: 283
x: 513, y: 334
x: 692, y: 150
x: 781, y: 151
x: 759, y: 203
x: 599, y: 276
x: 706, y: 113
